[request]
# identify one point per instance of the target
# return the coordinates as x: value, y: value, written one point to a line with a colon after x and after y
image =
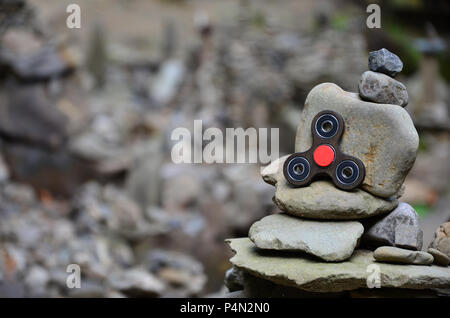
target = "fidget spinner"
x: 325, y: 157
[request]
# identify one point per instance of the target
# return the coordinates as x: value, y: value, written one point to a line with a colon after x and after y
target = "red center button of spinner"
x: 324, y: 155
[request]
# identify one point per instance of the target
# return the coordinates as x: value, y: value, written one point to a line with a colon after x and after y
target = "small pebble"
x: 441, y: 240
x: 391, y: 254
x: 380, y: 88
x: 386, y: 62
x: 439, y: 257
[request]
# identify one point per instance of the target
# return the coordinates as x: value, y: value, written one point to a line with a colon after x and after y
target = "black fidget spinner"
x: 325, y: 157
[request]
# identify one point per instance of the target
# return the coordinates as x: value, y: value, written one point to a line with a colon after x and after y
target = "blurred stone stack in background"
x: 85, y: 135
x: 86, y: 118
x: 323, y: 241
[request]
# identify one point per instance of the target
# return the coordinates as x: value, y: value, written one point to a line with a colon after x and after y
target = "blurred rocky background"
x: 86, y: 116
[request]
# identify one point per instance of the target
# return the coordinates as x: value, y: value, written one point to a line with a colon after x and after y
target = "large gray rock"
x: 321, y: 199
x: 409, y: 237
x: 391, y: 254
x: 399, y: 228
x: 386, y: 62
x: 314, y: 275
x: 382, y: 136
x: 329, y: 240
x: 441, y: 240
x: 380, y: 88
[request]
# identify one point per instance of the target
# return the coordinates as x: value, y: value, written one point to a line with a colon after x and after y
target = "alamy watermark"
x: 236, y: 146
x: 374, y: 19
x: 73, y: 20
x: 74, y: 278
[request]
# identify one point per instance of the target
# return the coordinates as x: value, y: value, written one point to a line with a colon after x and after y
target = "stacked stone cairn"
x: 327, y: 240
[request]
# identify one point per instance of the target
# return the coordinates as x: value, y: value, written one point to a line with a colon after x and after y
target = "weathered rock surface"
x: 399, y: 228
x: 329, y: 240
x: 439, y: 257
x: 391, y: 254
x: 409, y: 237
x: 380, y: 88
x: 256, y: 287
x: 308, y: 274
x: 386, y: 62
x: 321, y: 199
x: 234, y: 279
x: 441, y: 241
x: 384, y: 138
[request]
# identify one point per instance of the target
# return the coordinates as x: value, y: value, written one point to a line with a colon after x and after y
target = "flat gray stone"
x: 399, y: 228
x: 386, y: 62
x: 329, y: 240
x: 321, y: 199
x: 313, y: 275
x: 256, y: 287
x: 382, y: 136
x: 439, y: 257
x: 380, y: 88
x: 391, y: 254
